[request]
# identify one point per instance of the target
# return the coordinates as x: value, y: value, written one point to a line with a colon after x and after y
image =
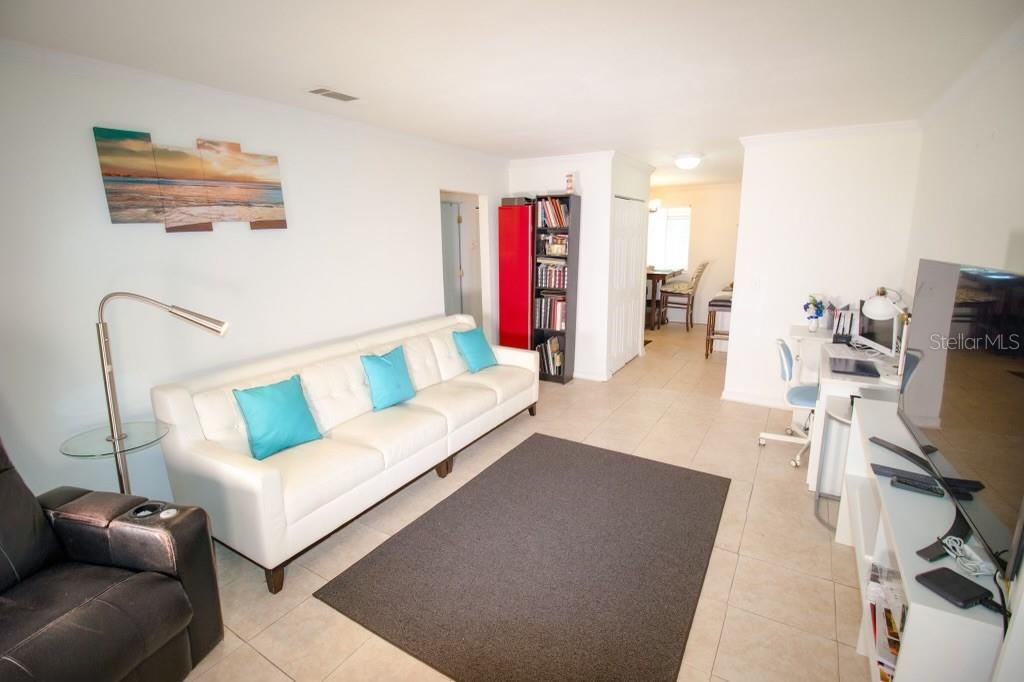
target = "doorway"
x: 460, y: 254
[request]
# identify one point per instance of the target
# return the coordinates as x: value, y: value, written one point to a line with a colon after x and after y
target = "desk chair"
x: 798, y: 396
x: 682, y: 295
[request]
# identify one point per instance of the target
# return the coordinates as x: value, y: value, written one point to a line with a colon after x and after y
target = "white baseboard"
x: 586, y: 376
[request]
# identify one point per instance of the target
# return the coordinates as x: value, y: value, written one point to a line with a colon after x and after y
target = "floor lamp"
x: 117, y: 435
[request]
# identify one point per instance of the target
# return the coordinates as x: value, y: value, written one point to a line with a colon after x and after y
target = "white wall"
x: 594, y: 185
x: 714, y: 221
x: 968, y: 205
x: 631, y: 179
x: 362, y: 248
x: 825, y: 211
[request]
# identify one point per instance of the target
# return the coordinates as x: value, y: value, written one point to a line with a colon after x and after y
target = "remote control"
x: 964, y: 484
x: 916, y: 486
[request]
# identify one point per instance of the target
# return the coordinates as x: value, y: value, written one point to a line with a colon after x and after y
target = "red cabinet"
x: 515, y: 276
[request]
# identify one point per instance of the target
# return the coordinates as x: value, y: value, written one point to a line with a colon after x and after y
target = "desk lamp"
x: 117, y: 435
x: 885, y: 305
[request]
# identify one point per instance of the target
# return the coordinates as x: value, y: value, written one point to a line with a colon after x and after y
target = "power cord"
x: 966, y: 557
x: 1000, y: 607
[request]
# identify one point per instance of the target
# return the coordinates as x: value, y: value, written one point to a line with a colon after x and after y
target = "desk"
x: 839, y: 385
x: 656, y: 279
x: 807, y: 349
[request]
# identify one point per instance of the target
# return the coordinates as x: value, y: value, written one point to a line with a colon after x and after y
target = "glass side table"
x: 96, y: 444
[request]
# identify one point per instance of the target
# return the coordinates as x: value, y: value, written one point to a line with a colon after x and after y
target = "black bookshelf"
x: 549, y: 234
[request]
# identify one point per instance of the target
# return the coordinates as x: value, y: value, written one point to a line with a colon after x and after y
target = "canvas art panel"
x: 187, y: 189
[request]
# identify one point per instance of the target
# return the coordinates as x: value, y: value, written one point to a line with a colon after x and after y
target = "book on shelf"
x: 888, y: 608
x: 552, y: 213
x: 552, y: 357
x: 551, y: 273
x: 549, y: 311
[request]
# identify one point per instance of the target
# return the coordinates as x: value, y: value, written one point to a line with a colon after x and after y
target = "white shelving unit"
x: 886, y: 526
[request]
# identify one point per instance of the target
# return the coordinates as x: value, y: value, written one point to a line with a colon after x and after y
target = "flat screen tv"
x: 964, y: 403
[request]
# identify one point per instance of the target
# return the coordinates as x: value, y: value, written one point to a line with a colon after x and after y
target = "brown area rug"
x: 560, y: 561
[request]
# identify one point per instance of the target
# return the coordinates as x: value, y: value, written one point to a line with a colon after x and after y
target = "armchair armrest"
x: 115, y: 530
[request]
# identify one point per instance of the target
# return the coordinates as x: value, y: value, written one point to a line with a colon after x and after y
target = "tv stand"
x: 960, y: 528
x: 887, y: 526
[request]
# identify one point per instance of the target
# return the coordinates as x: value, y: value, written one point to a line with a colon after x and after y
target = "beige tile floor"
x: 779, y: 599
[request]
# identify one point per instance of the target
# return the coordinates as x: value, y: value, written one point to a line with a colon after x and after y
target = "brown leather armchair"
x: 100, y: 586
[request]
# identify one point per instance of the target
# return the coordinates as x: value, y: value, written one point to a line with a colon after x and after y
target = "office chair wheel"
x: 761, y: 442
x: 795, y: 462
x: 789, y: 431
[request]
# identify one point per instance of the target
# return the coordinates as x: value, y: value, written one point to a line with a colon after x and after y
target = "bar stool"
x: 720, y: 303
x: 681, y: 295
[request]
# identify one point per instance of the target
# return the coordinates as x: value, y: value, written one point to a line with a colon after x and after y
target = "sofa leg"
x: 532, y: 409
x: 275, y: 579
x: 445, y: 467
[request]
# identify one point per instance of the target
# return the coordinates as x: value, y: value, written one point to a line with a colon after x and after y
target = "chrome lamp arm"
x: 117, y: 435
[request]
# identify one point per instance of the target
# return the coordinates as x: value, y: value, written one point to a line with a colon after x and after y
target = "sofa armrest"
x: 517, y: 357
x: 130, y: 532
x: 243, y: 496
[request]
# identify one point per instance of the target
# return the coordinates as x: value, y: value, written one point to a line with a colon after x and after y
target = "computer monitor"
x: 880, y: 335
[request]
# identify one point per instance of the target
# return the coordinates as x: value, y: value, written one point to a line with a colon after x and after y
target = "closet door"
x: 627, y: 281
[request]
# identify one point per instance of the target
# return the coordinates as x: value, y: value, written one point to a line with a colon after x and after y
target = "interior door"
x: 451, y: 257
x: 628, y: 281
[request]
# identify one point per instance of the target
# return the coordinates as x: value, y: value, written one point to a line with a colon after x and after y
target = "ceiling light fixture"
x: 688, y: 161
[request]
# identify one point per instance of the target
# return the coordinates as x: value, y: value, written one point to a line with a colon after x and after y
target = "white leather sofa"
x: 271, y: 510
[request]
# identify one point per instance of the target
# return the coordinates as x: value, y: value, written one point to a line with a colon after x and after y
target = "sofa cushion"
x: 449, y: 361
x: 419, y: 359
x: 83, y: 621
x: 388, y: 377
x: 337, y: 390
x: 474, y: 349
x: 460, y: 404
x: 397, y: 432
x: 277, y: 417
x: 218, y: 412
x: 504, y: 380
x: 314, y: 473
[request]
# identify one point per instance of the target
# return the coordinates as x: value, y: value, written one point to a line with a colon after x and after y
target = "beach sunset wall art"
x: 187, y: 189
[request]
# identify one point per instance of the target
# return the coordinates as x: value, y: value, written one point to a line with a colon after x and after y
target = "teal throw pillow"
x: 474, y: 349
x: 276, y: 417
x: 388, y: 378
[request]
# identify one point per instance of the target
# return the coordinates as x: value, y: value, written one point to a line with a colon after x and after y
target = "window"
x: 668, y: 238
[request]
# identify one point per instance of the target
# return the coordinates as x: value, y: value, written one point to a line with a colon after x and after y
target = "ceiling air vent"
x: 333, y: 94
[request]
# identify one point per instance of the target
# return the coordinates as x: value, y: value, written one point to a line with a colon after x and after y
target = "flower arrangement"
x: 815, y: 307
